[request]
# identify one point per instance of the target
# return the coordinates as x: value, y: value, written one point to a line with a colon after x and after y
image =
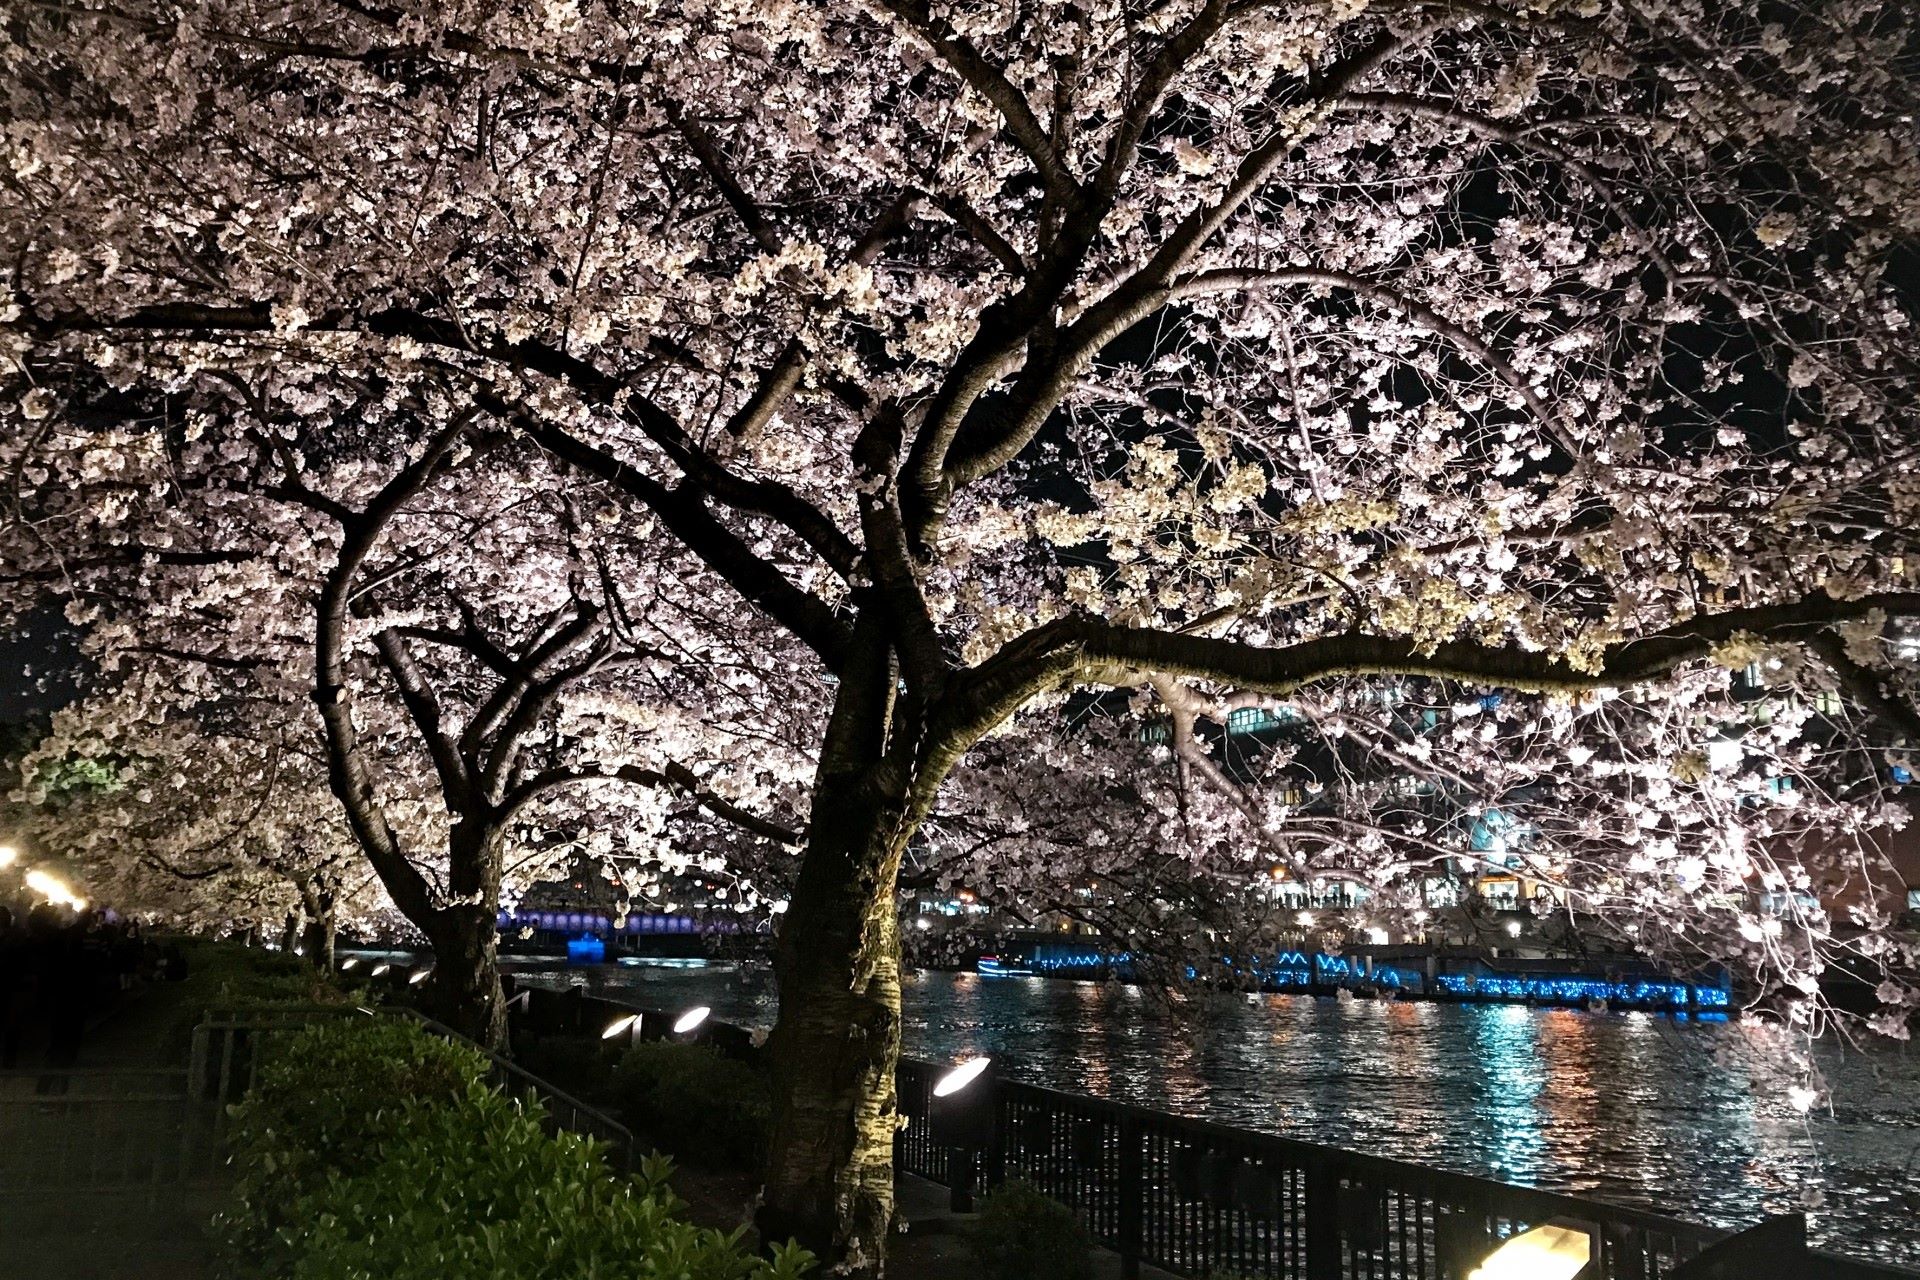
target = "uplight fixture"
x: 8, y: 855
x: 960, y: 1077
x: 380, y: 968
x: 691, y: 1019
x: 419, y: 976
x: 1513, y: 928
x: 1557, y: 1250
x: 620, y: 1025
x: 349, y: 963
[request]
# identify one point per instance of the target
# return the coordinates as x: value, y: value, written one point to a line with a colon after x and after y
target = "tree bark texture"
x: 830, y: 1171
x: 829, y: 1180
x: 465, y: 991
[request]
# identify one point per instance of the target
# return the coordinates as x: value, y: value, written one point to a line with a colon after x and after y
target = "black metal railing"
x: 1202, y: 1199
x: 129, y: 1131
x: 1206, y: 1200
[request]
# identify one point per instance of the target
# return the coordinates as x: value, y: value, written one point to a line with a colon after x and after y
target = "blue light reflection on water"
x: 1684, y: 1117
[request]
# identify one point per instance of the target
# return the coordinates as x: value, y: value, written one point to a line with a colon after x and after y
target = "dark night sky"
x: 40, y: 666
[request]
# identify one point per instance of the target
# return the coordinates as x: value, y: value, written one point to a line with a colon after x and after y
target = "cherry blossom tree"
x: 935, y: 364
x: 203, y: 822
x: 475, y: 732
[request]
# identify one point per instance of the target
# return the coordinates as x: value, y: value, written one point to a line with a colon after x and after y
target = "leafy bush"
x: 1023, y: 1234
x: 325, y: 1100
x: 371, y: 1150
x: 693, y: 1101
x: 225, y: 975
x: 479, y: 1191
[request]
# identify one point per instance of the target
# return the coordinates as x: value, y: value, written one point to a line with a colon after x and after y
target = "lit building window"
x: 1501, y: 891
x: 1250, y: 720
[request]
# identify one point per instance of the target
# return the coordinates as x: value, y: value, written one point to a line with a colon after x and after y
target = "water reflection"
x: 1685, y: 1118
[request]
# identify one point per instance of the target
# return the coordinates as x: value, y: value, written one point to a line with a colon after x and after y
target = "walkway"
x: 115, y: 1179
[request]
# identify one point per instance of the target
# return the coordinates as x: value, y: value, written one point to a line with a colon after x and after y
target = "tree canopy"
x: 757, y: 428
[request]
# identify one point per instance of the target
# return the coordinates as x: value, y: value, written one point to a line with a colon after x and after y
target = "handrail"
x: 1468, y: 1184
x: 546, y: 1089
x: 1199, y: 1197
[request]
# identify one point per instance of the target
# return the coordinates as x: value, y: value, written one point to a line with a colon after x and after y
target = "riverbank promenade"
x: 113, y: 1167
x: 107, y: 1168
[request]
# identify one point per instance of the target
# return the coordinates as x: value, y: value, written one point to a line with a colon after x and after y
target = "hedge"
x: 370, y: 1150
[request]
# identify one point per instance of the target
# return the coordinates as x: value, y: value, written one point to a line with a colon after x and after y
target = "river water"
x: 1685, y: 1118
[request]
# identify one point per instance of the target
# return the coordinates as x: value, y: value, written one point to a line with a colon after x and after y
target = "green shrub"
x: 1024, y: 1234
x: 325, y: 1100
x: 693, y: 1101
x: 480, y: 1192
x: 226, y: 975
x: 372, y: 1150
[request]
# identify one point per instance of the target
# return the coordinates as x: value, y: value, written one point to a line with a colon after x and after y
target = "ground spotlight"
x: 8, y: 855
x: 960, y: 1077
x: 691, y: 1019
x: 418, y: 976
x: 380, y: 968
x: 1513, y: 928
x: 349, y: 963
x: 619, y: 1025
x: 1557, y: 1250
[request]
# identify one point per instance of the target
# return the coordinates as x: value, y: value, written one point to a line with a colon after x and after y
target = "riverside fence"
x: 1202, y: 1199
x: 1207, y: 1200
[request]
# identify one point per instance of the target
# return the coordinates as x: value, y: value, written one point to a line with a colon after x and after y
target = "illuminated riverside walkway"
x: 1200, y: 1199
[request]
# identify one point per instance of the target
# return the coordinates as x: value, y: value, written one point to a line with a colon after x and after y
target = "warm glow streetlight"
x: 690, y: 1019
x: 54, y: 890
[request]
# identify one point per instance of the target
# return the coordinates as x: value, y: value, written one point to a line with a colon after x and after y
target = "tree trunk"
x: 290, y: 930
x: 464, y: 991
x: 316, y: 941
x: 830, y: 1164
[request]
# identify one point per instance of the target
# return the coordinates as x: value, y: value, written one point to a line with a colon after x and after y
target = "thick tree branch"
x: 423, y: 705
x: 1022, y: 125
x: 349, y: 772
x: 686, y: 514
x: 674, y: 775
x: 768, y: 498
x: 1091, y: 650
